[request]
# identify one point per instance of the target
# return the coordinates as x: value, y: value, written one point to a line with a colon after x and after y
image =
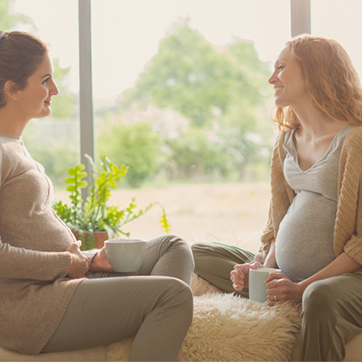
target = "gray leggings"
x: 332, y: 308
x: 154, y: 304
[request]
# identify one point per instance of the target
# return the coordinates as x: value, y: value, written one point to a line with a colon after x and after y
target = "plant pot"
x: 94, y: 241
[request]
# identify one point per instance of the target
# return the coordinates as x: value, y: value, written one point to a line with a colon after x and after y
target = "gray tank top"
x: 304, y: 244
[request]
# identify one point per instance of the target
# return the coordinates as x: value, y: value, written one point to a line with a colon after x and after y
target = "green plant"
x: 94, y: 214
x: 135, y: 144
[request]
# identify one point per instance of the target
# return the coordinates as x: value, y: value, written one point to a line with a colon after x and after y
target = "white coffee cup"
x: 257, y: 286
x: 125, y: 255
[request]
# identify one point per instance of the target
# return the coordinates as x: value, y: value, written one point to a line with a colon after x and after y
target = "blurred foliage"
x: 135, y: 145
x: 8, y: 19
x: 199, y: 81
x: 193, y: 155
x: 223, y: 95
x: 219, y: 96
x: 51, y: 146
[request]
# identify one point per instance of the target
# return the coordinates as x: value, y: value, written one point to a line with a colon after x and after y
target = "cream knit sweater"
x: 34, y: 290
x: 348, y: 225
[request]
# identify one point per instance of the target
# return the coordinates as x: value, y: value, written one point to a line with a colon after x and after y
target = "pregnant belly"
x: 304, y: 244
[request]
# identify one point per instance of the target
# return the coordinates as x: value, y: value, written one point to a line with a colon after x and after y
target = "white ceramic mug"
x: 125, y: 255
x: 257, y: 286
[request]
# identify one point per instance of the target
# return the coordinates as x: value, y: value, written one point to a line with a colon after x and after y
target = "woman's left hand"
x: 280, y: 289
x: 100, y: 262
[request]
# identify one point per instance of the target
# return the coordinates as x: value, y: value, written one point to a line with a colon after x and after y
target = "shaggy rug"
x: 200, y: 286
x: 229, y: 328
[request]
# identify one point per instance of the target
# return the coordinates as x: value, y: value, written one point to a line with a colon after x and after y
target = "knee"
x: 176, y: 241
x: 186, y: 250
x: 179, y: 295
x: 188, y: 298
x: 318, y: 301
x: 186, y: 303
x: 180, y: 289
x: 175, y: 244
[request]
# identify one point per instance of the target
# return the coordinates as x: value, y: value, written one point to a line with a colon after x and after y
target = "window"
x: 181, y: 96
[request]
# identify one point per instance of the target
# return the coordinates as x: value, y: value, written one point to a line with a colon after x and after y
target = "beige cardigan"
x: 34, y: 290
x: 348, y: 225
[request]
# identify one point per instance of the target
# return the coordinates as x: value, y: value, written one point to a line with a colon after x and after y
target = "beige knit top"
x: 348, y: 225
x: 34, y: 291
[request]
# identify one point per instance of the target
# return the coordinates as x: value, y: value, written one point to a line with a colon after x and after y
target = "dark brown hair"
x: 20, y: 56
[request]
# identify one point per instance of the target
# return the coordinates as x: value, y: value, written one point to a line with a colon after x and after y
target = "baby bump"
x: 304, y: 244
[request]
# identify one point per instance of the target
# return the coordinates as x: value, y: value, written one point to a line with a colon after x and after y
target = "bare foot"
x: 182, y: 356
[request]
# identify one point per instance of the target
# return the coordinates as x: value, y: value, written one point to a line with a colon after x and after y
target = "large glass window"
x: 181, y: 97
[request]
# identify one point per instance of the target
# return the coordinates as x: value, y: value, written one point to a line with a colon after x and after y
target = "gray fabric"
x: 304, y: 244
x: 154, y: 304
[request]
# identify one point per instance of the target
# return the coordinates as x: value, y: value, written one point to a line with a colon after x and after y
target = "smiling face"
x: 289, y: 83
x: 35, y: 98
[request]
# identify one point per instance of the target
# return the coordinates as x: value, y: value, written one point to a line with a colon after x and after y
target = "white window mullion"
x: 300, y: 17
x: 85, y: 83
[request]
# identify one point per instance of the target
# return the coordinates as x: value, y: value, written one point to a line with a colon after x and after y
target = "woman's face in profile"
x: 36, y: 97
x: 288, y: 81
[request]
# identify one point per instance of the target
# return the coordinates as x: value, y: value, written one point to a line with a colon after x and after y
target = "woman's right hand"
x: 240, y: 274
x: 79, y: 262
x: 100, y: 262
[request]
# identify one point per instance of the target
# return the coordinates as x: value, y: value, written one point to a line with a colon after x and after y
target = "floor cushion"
x: 228, y: 328
x: 89, y: 354
x: 353, y: 348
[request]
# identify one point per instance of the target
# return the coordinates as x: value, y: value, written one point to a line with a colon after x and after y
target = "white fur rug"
x: 229, y: 328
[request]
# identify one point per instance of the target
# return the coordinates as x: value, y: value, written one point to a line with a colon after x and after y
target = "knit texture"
x: 348, y: 225
x: 34, y: 290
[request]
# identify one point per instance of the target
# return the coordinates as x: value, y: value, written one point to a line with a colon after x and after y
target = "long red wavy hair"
x: 331, y: 80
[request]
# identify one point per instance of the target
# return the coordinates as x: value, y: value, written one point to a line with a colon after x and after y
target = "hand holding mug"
x: 259, y: 284
x: 281, y: 289
x: 79, y: 262
x: 240, y: 274
x: 125, y: 255
x: 100, y: 262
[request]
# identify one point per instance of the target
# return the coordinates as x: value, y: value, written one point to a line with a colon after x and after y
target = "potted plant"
x: 92, y: 220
